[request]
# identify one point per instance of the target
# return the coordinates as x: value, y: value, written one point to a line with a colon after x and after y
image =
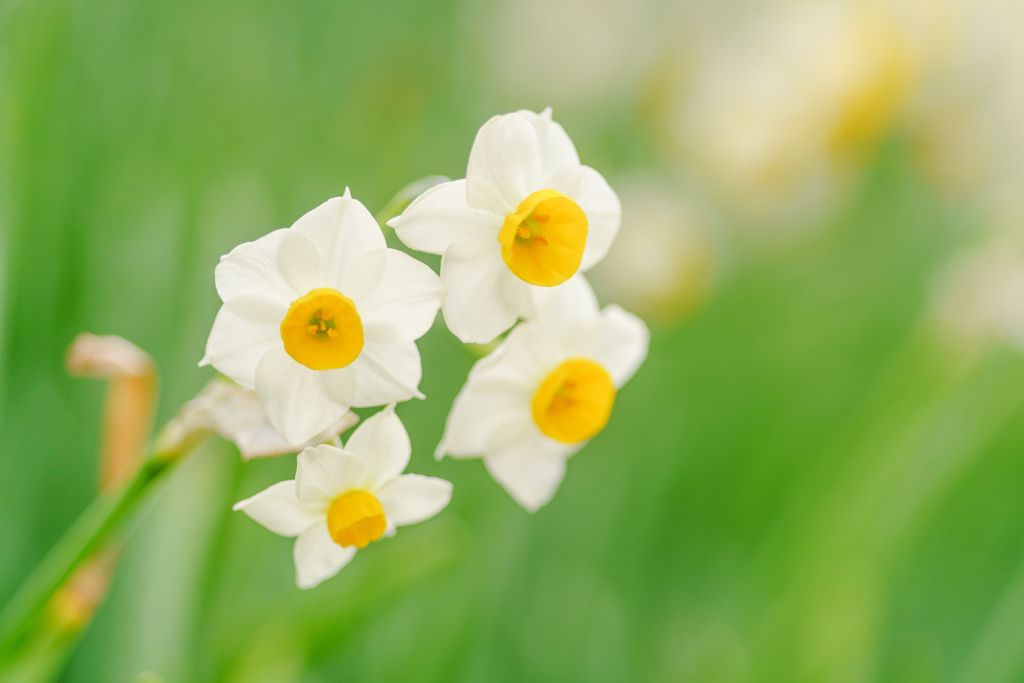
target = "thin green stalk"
x: 405, y: 196
x: 85, y: 536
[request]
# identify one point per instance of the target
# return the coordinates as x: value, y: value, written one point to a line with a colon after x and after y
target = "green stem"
x: 405, y: 196
x: 84, y: 537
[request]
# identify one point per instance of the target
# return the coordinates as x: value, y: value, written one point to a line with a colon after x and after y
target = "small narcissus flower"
x: 321, y: 317
x: 536, y: 400
x: 528, y: 216
x: 342, y: 500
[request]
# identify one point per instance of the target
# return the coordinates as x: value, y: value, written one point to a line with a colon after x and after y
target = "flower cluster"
x: 322, y: 317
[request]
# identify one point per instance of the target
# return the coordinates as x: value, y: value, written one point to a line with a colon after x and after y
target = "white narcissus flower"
x: 536, y: 400
x: 527, y: 217
x: 321, y: 317
x: 342, y: 500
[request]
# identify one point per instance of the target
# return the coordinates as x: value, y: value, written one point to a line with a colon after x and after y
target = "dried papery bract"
x: 130, y: 402
x: 234, y: 413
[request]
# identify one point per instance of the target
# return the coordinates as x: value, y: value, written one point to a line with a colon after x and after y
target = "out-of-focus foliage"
x: 817, y: 474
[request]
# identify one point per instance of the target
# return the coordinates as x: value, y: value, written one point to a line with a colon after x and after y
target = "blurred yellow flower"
x: 776, y: 114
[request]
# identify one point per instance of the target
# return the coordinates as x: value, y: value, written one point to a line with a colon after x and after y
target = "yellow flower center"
x: 542, y: 242
x: 575, y: 401
x: 356, y: 518
x: 322, y: 330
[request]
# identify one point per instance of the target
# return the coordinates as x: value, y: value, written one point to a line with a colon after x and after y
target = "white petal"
x: 491, y: 398
x: 618, y: 342
x: 381, y: 332
x: 236, y: 414
x: 556, y: 148
x: 279, y: 510
x: 317, y: 557
x: 294, y: 397
x: 534, y: 350
x: 504, y: 165
x: 235, y: 346
x: 441, y: 216
x: 391, y: 287
x: 412, y: 498
x: 599, y: 202
x: 261, y: 440
x: 565, y: 321
x: 527, y: 464
x: 386, y: 373
x: 250, y: 282
x: 476, y: 281
x: 325, y: 472
x: 574, y: 299
x: 342, y: 230
x: 340, y: 385
x: 383, y: 444
x: 299, y: 262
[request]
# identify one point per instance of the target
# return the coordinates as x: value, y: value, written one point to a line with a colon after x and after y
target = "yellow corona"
x: 543, y: 241
x: 322, y: 330
x: 575, y: 401
x: 356, y: 519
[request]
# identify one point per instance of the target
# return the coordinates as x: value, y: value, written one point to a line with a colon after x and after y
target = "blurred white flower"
x: 969, y: 134
x: 979, y: 297
x: 527, y: 217
x: 343, y: 500
x: 662, y: 262
x: 777, y: 111
x: 234, y: 413
x: 576, y: 52
x: 536, y: 400
x: 320, y: 317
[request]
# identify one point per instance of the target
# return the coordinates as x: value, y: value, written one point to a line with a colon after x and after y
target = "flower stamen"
x: 322, y: 330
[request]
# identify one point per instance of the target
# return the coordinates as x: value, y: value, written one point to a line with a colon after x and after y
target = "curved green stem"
x: 102, y: 517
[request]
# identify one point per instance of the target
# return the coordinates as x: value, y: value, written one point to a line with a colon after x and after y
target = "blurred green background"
x: 817, y: 474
